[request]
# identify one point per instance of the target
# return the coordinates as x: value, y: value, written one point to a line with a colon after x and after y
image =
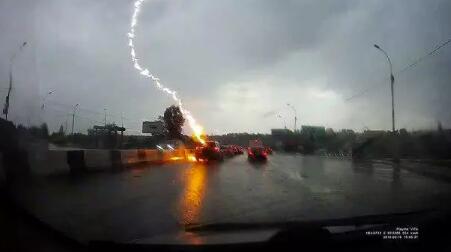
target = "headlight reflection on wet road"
x: 192, y: 197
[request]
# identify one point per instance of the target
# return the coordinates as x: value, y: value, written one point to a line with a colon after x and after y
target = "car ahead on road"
x: 268, y: 150
x: 228, y: 150
x: 210, y: 151
x: 238, y: 150
x: 256, y: 151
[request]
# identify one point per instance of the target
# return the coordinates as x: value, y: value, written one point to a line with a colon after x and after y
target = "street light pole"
x: 295, y: 116
x: 11, y: 62
x: 45, y: 98
x: 73, y: 118
x: 284, y: 122
x: 392, y: 81
x: 104, y: 110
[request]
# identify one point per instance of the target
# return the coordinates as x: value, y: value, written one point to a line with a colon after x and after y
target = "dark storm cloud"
x: 231, y: 61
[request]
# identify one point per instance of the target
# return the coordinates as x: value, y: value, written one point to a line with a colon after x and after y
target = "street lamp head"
x: 377, y: 46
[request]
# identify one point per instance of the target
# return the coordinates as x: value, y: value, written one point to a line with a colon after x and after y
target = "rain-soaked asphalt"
x: 147, y: 201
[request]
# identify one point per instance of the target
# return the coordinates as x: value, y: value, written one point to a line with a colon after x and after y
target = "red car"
x: 227, y: 150
x: 238, y: 150
x: 256, y: 151
x: 210, y: 151
x: 268, y: 150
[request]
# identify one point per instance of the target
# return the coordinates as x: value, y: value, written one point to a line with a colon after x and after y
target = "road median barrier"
x: 79, y: 161
x: 97, y: 160
x: 76, y: 161
x: 129, y: 157
x: 57, y: 162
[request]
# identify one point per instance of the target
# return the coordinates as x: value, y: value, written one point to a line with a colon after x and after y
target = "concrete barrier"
x: 152, y: 155
x: 57, y: 163
x: 97, y: 160
x: 129, y: 157
x: 116, y: 162
x: 76, y: 161
x: 140, y: 156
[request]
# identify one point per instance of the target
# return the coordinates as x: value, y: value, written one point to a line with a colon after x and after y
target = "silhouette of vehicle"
x: 228, y: 150
x: 256, y: 151
x: 210, y: 151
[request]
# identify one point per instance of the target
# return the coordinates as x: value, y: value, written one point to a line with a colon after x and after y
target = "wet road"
x: 147, y: 201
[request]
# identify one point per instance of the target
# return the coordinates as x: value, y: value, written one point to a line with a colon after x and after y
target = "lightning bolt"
x: 195, y: 127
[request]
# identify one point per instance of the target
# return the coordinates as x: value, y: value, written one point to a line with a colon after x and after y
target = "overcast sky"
x: 236, y: 64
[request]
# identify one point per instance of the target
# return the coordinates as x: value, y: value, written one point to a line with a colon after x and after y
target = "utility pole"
x: 73, y: 118
x: 295, y: 115
x: 11, y: 62
x: 45, y: 98
x: 392, y: 82
x: 65, y: 127
x: 104, y: 110
x: 284, y: 122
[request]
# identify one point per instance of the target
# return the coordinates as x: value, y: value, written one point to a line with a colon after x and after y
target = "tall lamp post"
x: 45, y: 98
x: 284, y: 122
x: 295, y: 115
x: 73, y: 117
x: 11, y: 62
x: 104, y: 110
x: 392, y: 81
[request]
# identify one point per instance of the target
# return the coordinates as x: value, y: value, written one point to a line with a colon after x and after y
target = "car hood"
x: 235, y: 233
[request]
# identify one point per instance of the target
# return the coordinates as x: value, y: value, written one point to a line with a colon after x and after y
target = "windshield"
x: 310, y: 110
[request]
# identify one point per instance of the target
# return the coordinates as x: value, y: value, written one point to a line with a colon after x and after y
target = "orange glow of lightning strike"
x: 191, y: 158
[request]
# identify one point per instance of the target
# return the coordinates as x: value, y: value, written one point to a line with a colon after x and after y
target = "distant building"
x: 107, y: 136
x: 330, y: 132
x: 154, y: 127
x: 280, y: 132
x: 373, y: 133
x: 284, y: 139
x: 347, y: 132
x: 315, y: 131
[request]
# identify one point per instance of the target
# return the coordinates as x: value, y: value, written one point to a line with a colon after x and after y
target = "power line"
x: 90, y: 111
x: 407, y: 67
x: 431, y: 53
